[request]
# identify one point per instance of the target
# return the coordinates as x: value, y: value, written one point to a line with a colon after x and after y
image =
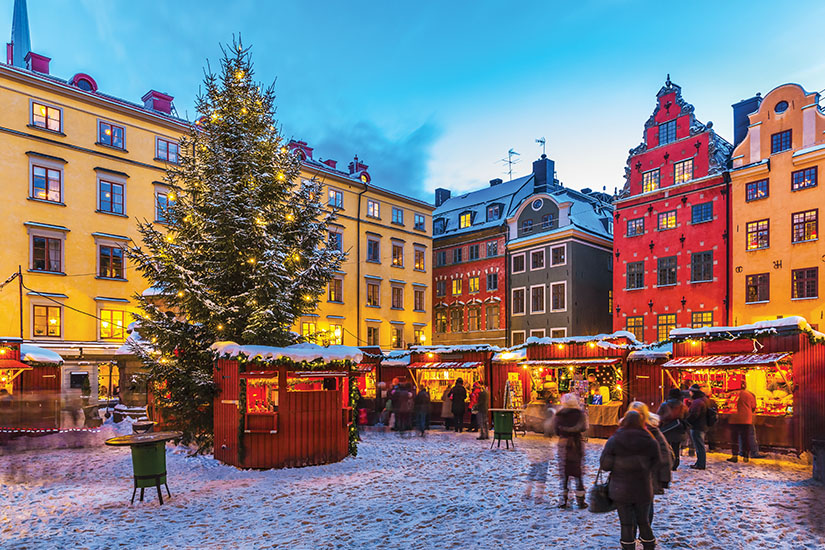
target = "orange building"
x: 776, y: 198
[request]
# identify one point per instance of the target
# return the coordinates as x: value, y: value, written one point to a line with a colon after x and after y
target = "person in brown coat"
x: 569, y: 423
x: 740, y: 424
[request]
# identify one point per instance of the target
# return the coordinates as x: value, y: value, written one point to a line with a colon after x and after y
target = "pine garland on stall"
x: 241, y: 420
x: 242, y: 253
x: 354, y: 398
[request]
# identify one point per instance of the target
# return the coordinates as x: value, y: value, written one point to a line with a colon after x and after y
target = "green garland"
x: 241, y: 420
x: 338, y: 364
x: 354, y: 397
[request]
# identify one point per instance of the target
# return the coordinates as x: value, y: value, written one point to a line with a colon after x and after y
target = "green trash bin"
x: 148, y: 459
x: 503, y: 427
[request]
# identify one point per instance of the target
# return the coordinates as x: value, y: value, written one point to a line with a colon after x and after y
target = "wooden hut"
x: 30, y: 383
x: 283, y: 407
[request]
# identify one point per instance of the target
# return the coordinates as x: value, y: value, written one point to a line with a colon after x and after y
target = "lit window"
x: 373, y: 294
x: 473, y: 284
x: 46, y: 184
x: 441, y: 288
x: 666, y: 323
x: 650, y: 181
x: 397, y: 255
x: 456, y: 319
x: 372, y: 336
x: 636, y: 325
x: 44, y: 116
x: 110, y: 135
x: 757, y: 234
x: 756, y: 190
x: 47, y: 254
x: 804, y: 226
x: 491, y: 317
x: 419, y: 263
x: 457, y: 287
x: 781, y: 142
x: 47, y: 321
x: 168, y: 150
x: 418, y: 336
x: 667, y: 132
x: 111, y: 262
x: 682, y: 171
x: 474, y: 318
x: 699, y: 319
x: 667, y: 220
x: 635, y: 227
x: 335, y: 335
x: 373, y: 209
x: 757, y: 288
x: 441, y: 321
x: 803, y: 179
x: 465, y: 220
x: 336, y: 198
x: 804, y: 283
x: 309, y: 331
x: 111, y: 197
x: 336, y: 290
x: 112, y: 324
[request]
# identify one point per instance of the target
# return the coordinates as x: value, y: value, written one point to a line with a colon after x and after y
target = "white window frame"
x: 543, y: 259
x: 513, y: 334
x: 552, y: 248
x: 537, y: 333
x: 563, y: 329
x: 48, y: 234
x: 111, y: 178
x: 111, y: 123
x: 43, y: 162
x: 42, y: 302
x: 544, y: 301
x: 377, y: 206
x: 32, y: 101
x: 513, y: 301
x: 566, y: 298
x: 513, y: 260
x: 158, y: 139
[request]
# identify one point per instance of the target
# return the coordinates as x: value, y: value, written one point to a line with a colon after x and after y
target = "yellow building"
x: 776, y: 201
x: 381, y: 296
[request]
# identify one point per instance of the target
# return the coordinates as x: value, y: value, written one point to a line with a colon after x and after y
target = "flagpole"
x: 20, y: 292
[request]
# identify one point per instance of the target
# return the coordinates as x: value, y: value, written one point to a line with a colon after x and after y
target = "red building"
x: 671, y: 229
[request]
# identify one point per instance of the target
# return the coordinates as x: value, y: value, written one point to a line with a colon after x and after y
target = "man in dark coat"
x: 483, y: 407
x: 459, y: 406
x: 422, y: 410
x: 569, y: 423
x: 698, y: 420
x: 672, y: 424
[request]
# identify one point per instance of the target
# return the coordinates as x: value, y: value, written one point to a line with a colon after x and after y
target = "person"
x: 740, y: 423
x: 631, y: 455
x: 401, y: 408
x: 458, y: 396
x: 672, y: 424
x: 422, y: 410
x: 697, y: 418
x: 483, y: 406
x: 446, y: 407
x: 662, y: 473
x: 569, y: 423
x: 473, y: 408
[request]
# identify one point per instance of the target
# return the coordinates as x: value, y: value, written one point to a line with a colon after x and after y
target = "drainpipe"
x: 358, y: 269
x: 728, y: 247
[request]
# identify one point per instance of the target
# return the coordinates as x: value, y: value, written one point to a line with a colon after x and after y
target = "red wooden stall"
x: 31, y: 400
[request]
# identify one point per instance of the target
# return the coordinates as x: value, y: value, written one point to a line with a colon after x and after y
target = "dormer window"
x: 493, y: 212
x: 438, y: 226
x: 667, y: 132
x: 465, y: 220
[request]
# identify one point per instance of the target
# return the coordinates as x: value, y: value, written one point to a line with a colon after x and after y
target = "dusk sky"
x: 433, y: 94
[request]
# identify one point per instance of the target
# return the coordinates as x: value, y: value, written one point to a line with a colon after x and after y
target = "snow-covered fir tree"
x: 243, y: 251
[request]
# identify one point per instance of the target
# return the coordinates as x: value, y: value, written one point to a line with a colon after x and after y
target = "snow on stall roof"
x: 298, y: 352
x: 518, y: 353
x: 652, y: 353
x: 396, y: 358
x: 600, y: 339
x: 760, y: 327
x: 458, y: 348
x: 30, y: 353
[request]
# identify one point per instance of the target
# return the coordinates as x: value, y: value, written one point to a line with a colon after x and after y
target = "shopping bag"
x: 599, y: 498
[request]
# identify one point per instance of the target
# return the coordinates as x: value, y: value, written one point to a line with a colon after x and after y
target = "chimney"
x: 357, y: 166
x: 587, y: 190
x: 441, y: 196
x: 37, y: 63
x: 543, y: 172
x: 304, y: 150
x: 497, y: 181
x: 158, y: 101
x: 741, y: 121
x: 331, y: 163
x: 21, y: 43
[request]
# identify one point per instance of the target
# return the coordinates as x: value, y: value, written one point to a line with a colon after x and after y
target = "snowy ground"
x: 443, y: 491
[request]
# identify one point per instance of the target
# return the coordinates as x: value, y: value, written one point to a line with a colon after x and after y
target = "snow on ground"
x: 439, y: 492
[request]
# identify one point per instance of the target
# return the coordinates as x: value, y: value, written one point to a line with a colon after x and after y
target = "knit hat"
x: 674, y: 393
x: 695, y: 388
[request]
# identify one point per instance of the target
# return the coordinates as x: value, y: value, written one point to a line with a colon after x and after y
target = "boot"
x: 563, y: 500
x: 628, y: 545
x: 648, y: 544
x: 580, y: 500
x: 735, y: 459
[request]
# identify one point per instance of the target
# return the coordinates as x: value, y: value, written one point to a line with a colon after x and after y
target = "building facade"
x: 671, y: 243
x: 776, y: 205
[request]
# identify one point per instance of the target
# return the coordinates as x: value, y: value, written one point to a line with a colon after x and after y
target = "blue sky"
x: 433, y: 93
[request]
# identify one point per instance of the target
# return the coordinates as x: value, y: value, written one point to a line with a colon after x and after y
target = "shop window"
x: 805, y: 283
x: 418, y: 299
x: 372, y: 336
x: 397, y: 255
x: 373, y: 251
x: 757, y: 288
x: 465, y: 220
x: 492, y: 249
x: 262, y: 395
x: 397, y: 297
x: 397, y: 216
x: 47, y: 184
x: 474, y: 318
x: 699, y: 319
x: 636, y: 326
x: 803, y: 179
x: 46, y: 116
x: 419, y: 222
x: 665, y: 323
x: 47, y: 321
x: 111, y: 197
x: 666, y: 220
x: 373, y: 294
x: 336, y: 290
x: 635, y: 275
x: 518, y: 301
x: 558, y: 296
x: 441, y: 288
x: 635, y: 227
x: 419, y: 259
x: 682, y: 171
x: 335, y: 335
x: 336, y: 241
x: 491, y: 317
x: 456, y: 319
x: 473, y: 285
x: 666, y: 271
x: 110, y: 262
x: 373, y: 209
x: 526, y: 226
x: 111, y: 135
x: 441, y: 321
x: 296, y: 383
x: 457, y: 255
x: 757, y: 234
x: 650, y: 181
x: 558, y: 255
x: 558, y: 333
x: 47, y: 254
x: 518, y: 337
x: 309, y: 331
x: 756, y: 190
x: 492, y: 282
x: 667, y: 132
x: 537, y: 299
x: 108, y: 381
x: 518, y: 263
x: 701, y: 266
x: 167, y: 150
x: 804, y: 226
x: 336, y: 198
x: 700, y: 213
x: 780, y: 141
x: 112, y: 324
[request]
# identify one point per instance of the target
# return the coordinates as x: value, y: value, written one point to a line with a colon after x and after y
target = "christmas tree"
x: 242, y: 253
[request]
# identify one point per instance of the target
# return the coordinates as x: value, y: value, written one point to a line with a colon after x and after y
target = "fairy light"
x: 243, y: 110
x: 307, y: 298
x: 251, y: 261
x: 170, y: 238
x: 239, y: 75
x: 592, y: 344
x: 220, y: 327
x: 180, y: 294
x: 171, y: 196
x: 290, y: 217
x: 281, y: 176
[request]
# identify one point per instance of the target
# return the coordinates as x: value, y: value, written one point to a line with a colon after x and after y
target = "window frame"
x: 778, y: 140
x: 419, y: 299
x: 632, y: 329
x: 440, y: 258
x: 419, y: 222
x: 522, y: 290
x: 100, y: 245
x: 757, y: 184
x: 458, y: 255
x: 756, y: 231
x: 454, y: 320
x: 441, y: 320
x: 492, y: 277
x: 47, y: 166
x: 660, y: 326
x: 494, y: 209
x: 553, y: 249
x: 111, y: 181
x: 648, y: 185
x: 397, y: 216
x: 670, y: 266
x: 456, y: 286
x: 669, y: 126
x: 49, y: 236
x: 372, y: 283
x: 554, y: 332
x: 521, y: 333
x: 373, y: 336
x: 666, y: 216
x: 441, y: 288
x: 701, y: 323
x: 373, y: 209
x: 633, y: 229
x: 465, y: 220
x: 803, y: 282
x: 538, y: 252
x: 470, y: 311
x: 813, y: 170
x: 48, y: 306
x: 547, y: 221
x: 473, y: 252
x: 553, y: 308
x: 537, y: 333
x: 101, y: 314
x: 339, y: 239
x: 396, y: 297
x: 804, y: 224
x: 527, y: 226
x: 523, y: 256
x: 701, y: 264
x: 494, y: 246
x: 397, y: 257
x: 333, y: 196
x: 376, y: 242
x: 637, y: 276
x: 470, y: 280
x: 487, y: 317
x: 677, y: 165
x: 167, y: 143
x: 337, y: 292
x: 543, y: 308
x: 48, y: 107
x: 757, y: 284
x: 419, y: 258
x: 101, y: 122
x: 701, y: 207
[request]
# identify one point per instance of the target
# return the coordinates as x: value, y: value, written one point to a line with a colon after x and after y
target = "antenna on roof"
x: 510, y: 161
x: 543, y: 142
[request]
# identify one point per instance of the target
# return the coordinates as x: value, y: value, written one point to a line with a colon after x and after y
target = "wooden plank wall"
x: 645, y: 382
x: 541, y: 352
x: 498, y: 378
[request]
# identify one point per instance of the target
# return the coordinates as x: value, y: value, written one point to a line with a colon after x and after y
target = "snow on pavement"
x: 443, y: 491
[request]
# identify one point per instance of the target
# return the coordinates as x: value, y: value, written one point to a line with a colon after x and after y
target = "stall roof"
x: 297, y: 353
x: 652, y: 353
x: 448, y: 365
x: 599, y: 339
x: 511, y: 355
x: 742, y: 360
x: 13, y: 364
x: 565, y: 362
x: 36, y: 354
x: 456, y: 348
x: 762, y: 327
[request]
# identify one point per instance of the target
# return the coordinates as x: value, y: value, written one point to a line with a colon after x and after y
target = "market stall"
x: 283, y: 407
x: 30, y: 388
x: 364, y: 377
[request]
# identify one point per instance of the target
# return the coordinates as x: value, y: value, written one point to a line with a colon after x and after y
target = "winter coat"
x: 672, y: 415
x: 569, y: 424
x: 459, y: 397
x: 662, y: 473
x: 446, y: 404
x: 473, y: 398
x: 422, y: 401
x: 745, y: 405
x: 698, y: 412
x: 631, y: 456
x: 483, y: 403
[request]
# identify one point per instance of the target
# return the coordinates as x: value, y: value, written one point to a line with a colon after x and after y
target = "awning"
x: 16, y: 368
x: 450, y: 365
x: 361, y: 368
x: 744, y: 360
x: 316, y: 373
x: 568, y: 362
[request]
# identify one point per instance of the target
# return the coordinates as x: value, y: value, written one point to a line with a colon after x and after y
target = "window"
x: 161, y: 206
x: 804, y: 226
x: 558, y: 255
x: 419, y: 262
x: 666, y: 220
x: 465, y: 220
x: 418, y: 336
x: 635, y: 275
x: 47, y: 254
x: 547, y: 221
x: 701, y: 266
x: 492, y: 281
x: 441, y: 288
x: 111, y: 135
x: 167, y: 150
x: 457, y: 255
x: 373, y: 209
x: 336, y: 241
x: 491, y: 317
x: 780, y: 142
x: 439, y: 226
x: 456, y: 287
x: 558, y: 333
x: 636, y: 326
x: 397, y: 216
x: 666, y: 271
x: 309, y: 331
x: 803, y: 179
x: 650, y: 181
x: 473, y: 251
x: 336, y: 198
x: 757, y: 288
x: 558, y: 296
x: 441, y: 321
x: 373, y: 251
x: 757, y: 235
x: 526, y: 226
x: 756, y: 190
x: 111, y: 197
x: 667, y: 132
x: 112, y: 324
x: 456, y: 319
x: 397, y: 297
x: 441, y: 258
x: 335, y: 335
x: 111, y: 262
x: 45, y: 116
x: 47, y: 321
x: 537, y: 299
x: 518, y: 263
x: 699, y: 319
x: 418, y: 299
x: 474, y: 318
x: 46, y: 184
x: 493, y: 212
x: 372, y: 336
x: 804, y: 283
x: 473, y: 284
x: 419, y: 222
x: 373, y: 294
x: 635, y: 227
x: 537, y: 259
x: 700, y: 213
x: 666, y: 323
x: 397, y: 337
x: 336, y: 290
x: 518, y: 337
x: 397, y: 255
x: 518, y: 301
x: 682, y: 171
x: 610, y: 302
x: 492, y: 249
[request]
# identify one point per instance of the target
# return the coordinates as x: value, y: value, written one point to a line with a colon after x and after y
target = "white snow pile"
x: 30, y: 353
x: 652, y: 353
x: 396, y: 358
x: 457, y: 348
x: 133, y: 339
x: 517, y: 353
x: 297, y: 353
x: 67, y: 439
x: 602, y: 340
x: 759, y: 328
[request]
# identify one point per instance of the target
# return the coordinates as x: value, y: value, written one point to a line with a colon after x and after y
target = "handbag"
x: 600, y: 501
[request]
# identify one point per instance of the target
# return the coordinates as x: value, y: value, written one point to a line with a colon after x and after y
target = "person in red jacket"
x: 740, y: 423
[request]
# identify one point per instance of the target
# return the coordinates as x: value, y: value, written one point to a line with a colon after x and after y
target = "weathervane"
x: 543, y: 142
